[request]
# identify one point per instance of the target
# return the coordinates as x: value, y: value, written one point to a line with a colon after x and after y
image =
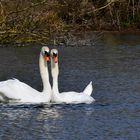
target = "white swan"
x: 17, y: 91
x: 67, y: 97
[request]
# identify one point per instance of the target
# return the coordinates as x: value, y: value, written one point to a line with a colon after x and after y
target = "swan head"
x: 54, y: 55
x: 45, y: 51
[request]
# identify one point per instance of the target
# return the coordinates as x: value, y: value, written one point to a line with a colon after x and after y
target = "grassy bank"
x: 44, y: 21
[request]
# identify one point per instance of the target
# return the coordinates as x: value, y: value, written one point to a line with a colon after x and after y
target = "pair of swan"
x: 17, y: 91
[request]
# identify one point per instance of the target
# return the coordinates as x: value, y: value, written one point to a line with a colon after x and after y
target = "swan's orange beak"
x: 55, y: 58
x: 46, y: 58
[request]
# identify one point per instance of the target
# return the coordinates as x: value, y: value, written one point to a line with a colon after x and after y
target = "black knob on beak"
x: 55, y: 54
x: 47, y: 54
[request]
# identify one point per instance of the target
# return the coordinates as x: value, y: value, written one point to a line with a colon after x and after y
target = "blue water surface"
x: 113, y: 64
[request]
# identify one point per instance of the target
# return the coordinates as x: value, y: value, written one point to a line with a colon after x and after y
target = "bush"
x: 42, y: 21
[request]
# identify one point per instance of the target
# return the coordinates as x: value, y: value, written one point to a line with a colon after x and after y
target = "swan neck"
x: 55, y: 73
x: 44, y: 74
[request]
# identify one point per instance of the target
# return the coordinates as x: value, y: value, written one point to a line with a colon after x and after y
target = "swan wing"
x: 89, y: 88
x: 16, y: 90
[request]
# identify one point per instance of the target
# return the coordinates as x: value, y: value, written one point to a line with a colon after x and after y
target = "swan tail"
x: 89, y: 88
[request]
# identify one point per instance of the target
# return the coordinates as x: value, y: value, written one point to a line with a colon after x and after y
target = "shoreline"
x: 77, y: 36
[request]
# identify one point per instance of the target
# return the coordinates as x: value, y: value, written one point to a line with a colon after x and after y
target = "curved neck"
x: 44, y: 74
x: 55, y: 73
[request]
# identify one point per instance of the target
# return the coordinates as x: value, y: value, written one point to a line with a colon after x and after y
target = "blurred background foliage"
x: 43, y: 21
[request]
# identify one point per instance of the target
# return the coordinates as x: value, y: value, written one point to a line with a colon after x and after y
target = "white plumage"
x: 67, y: 97
x: 17, y: 91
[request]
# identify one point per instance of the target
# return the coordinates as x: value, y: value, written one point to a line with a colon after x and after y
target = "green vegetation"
x: 43, y: 21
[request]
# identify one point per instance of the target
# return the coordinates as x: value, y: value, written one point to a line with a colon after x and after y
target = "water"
x: 113, y: 65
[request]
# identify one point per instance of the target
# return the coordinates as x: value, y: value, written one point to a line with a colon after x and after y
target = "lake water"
x: 113, y: 64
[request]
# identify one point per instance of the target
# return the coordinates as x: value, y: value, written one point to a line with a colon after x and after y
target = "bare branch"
x: 103, y: 7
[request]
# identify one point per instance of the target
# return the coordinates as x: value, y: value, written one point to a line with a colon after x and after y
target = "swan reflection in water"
x: 27, y: 118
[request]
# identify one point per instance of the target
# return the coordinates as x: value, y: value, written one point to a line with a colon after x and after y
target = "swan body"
x: 72, y: 98
x: 67, y: 97
x: 16, y: 91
